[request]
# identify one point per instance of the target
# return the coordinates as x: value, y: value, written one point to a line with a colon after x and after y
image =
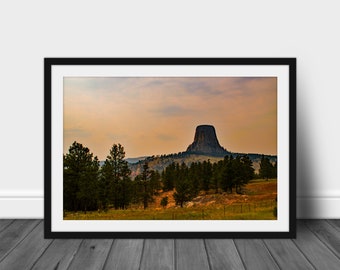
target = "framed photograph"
x: 170, y: 147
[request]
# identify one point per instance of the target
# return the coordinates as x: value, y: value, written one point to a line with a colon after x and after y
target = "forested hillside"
x: 89, y: 186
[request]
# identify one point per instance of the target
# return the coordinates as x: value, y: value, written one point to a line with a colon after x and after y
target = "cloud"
x: 169, y: 111
x: 77, y: 133
x: 203, y: 86
x: 166, y: 137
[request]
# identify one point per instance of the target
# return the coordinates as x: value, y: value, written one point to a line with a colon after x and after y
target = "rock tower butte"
x: 206, y: 142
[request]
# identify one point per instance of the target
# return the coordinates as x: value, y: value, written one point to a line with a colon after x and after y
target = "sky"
x: 158, y: 115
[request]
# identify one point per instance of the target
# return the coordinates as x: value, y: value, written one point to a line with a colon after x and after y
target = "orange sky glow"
x: 158, y: 115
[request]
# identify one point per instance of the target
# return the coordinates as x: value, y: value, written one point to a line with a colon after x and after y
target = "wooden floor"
x: 317, y: 246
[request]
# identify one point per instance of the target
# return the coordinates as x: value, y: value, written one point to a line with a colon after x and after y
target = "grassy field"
x: 257, y: 203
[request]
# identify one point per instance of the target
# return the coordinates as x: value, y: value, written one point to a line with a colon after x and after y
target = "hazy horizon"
x: 158, y: 115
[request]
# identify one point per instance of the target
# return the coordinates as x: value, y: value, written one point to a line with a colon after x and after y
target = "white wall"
x: 32, y: 30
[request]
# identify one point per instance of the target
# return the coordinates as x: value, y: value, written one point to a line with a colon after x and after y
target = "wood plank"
x: 326, y: 233
x: 191, y: 254
x: 335, y: 223
x: 58, y: 255
x: 28, y: 251
x: 23, y: 247
x: 255, y: 255
x: 287, y: 255
x: 14, y: 234
x: 92, y: 254
x: 314, y: 250
x: 4, y: 223
x: 158, y: 254
x: 223, y: 254
x: 125, y: 254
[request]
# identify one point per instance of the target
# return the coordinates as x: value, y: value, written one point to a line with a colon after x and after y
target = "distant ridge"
x: 135, y: 160
x: 128, y: 160
x: 204, y: 147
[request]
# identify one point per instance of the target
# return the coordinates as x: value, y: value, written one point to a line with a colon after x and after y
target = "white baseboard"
x: 24, y: 207
x: 325, y: 207
x: 22, y: 204
x: 31, y: 205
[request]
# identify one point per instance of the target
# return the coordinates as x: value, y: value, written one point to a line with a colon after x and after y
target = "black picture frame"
x: 288, y: 65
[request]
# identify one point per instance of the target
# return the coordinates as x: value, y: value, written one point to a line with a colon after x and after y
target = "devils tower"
x: 206, y: 142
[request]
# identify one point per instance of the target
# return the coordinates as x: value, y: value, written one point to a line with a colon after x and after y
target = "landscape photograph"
x: 170, y: 148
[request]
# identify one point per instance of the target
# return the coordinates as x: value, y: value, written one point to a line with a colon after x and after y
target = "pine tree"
x: 266, y: 170
x: 274, y: 174
x: 164, y: 201
x: 147, y: 190
x: 125, y: 191
x: 206, y: 175
x: 80, y: 178
x: 183, y: 192
x: 168, y: 177
x: 155, y: 182
x: 246, y: 173
x: 194, y: 178
x: 217, y: 172
x: 115, y: 178
x: 104, y: 188
x: 228, y: 174
x: 235, y: 172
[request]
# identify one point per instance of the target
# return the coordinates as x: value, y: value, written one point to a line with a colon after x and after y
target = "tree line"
x: 89, y: 186
x: 267, y: 169
x: 226, y: 175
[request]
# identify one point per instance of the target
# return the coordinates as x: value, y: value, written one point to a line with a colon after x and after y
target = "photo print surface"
x: 170, y: 148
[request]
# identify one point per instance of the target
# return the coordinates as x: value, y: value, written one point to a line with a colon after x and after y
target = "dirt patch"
x: 157, y: 200
x: 255, y: 192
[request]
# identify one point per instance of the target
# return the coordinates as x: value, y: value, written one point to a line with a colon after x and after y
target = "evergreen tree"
x: 164, y: 201
x: 237, y: 169
x: 155, y: 182
x: 147, y: 190
x: 183, y: 192
x: 235, y: 173
x: 194, y: 177
x: 228, y: 174
x: 266, y: 170
x: 246, y: 172
x: 206, y: 175
x: 274, y: 175
x: 217, y: 174
x: 145, y: 185
x: 137, y: 190
x: 80, y: 179
x: 115, y: 178
x: 125, y: 191
x: 104, y: 188
x: 168, y: 177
